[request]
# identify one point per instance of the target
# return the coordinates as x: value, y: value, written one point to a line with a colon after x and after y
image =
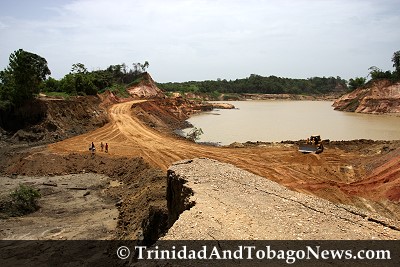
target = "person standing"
x: 101, y: 146
x: 106, y: 148
x: 93, y: 148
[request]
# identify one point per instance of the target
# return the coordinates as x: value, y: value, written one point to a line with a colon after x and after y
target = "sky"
x: 188, y: 40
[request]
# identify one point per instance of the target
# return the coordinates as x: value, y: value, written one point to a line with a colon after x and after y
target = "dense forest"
x: 263, y: 85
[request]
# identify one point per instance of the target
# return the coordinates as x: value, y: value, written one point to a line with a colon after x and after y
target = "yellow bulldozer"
x: 313, y: 144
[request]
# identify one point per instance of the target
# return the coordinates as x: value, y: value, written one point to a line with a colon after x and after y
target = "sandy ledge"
x: 231, y: 203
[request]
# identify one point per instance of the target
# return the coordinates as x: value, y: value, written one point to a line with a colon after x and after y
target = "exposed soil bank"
x: 137, y: 190
x: 381, y: 97
x: 170, y: 114
x: 146, y: 88
x: 227, y: 203
x: 50, y: 120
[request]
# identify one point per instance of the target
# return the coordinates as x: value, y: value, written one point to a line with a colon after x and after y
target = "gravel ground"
x: 234, y: 204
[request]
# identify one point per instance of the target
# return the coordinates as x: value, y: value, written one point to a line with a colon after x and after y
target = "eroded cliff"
x: 379, y: 98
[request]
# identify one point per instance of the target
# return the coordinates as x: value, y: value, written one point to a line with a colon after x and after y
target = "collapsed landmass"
x: 382, y: 97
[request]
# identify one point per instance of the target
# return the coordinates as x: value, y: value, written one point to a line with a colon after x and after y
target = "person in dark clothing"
x: 93, y: 148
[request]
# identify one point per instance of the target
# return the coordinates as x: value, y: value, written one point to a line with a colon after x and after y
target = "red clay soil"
x: 382, y: 182
x: 381, y: 96
x: 336, y: 174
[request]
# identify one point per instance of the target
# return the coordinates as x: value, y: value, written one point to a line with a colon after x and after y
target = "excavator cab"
x: 312, y: 145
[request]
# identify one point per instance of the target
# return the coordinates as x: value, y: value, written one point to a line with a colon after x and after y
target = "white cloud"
x: 195, y: 40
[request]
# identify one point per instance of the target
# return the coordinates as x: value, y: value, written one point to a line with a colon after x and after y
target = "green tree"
x: 23, y: 77
x: 51, y: 85
x: 356, y: 83
x: 396, y: 62
x: 145, y: 65
x: 7, y: 85
x: 25, y: 199
x: 67, y: 84
x: 194, y: 134
x: 87, y: 85
x: 140, y: 68
x: 376, y: 73
x: 78, y: 68
x: 79, y: 81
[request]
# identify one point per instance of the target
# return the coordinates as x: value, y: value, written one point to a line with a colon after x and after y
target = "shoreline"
x: 261, y: 131
x: 258, y: 96
x: 345, y: 173
x: 291, y: 97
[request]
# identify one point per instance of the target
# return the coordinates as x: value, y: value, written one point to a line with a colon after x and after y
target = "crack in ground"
x: 385, y: 224
x: 377, y: 221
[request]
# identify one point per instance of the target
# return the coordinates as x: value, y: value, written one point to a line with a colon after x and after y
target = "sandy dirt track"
x: 316, y: 174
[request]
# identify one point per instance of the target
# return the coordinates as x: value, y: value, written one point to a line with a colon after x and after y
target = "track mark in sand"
x: 128, y: 136
x: 125, y: 132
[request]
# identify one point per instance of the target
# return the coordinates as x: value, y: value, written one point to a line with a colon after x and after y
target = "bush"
x: 194, y: 134
x: 58, y: 94
x: 119, y: 90
x: 24, y: 199
x: 136, y: 81
x: 356, y: 83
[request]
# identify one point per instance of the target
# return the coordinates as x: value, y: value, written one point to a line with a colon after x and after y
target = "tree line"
x: 80, y: 81
x: 262, y: 85
x: 28, y: 74
x: 279, y: 85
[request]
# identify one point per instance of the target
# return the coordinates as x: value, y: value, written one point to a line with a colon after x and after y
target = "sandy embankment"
x: 231, y: 203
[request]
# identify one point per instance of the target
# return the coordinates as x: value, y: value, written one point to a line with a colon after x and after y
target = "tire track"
x: 127, y: 136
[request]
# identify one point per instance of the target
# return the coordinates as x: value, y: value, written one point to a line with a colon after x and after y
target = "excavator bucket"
x: 313, y: 145
x: 308, y: 148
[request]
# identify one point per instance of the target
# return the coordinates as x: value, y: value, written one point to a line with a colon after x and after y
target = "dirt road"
x: 319, y: 174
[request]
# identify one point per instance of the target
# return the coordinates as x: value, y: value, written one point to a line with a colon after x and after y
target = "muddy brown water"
x: 291, y: 120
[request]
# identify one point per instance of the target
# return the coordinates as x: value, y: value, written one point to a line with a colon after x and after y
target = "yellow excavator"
x: 313, y: 144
